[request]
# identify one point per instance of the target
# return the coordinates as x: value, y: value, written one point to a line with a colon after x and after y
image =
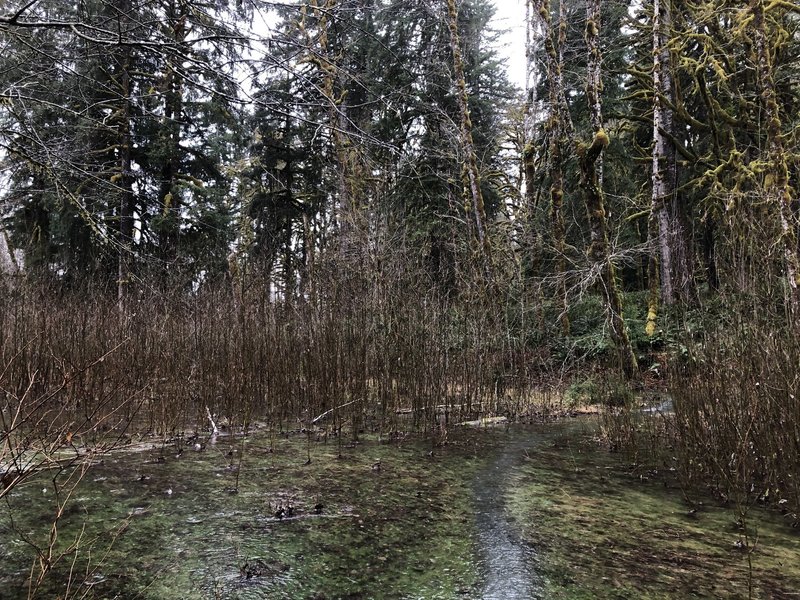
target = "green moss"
x: 609, y: 530
x: 601, y: 138
x: 398, y: 522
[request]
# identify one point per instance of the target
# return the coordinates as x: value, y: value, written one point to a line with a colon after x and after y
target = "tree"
x: 558, y: 129
x: 671, y: 259
x: 590, y: 159
x: 109, y: 113
x: 776, y: 178
x: 472, y: 178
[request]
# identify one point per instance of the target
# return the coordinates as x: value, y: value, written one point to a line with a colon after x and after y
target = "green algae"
x: 394, y: 522
x: 606, y: 529
x: 389, y: 519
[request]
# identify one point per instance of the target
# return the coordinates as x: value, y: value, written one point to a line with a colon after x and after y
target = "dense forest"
x: 341, y: 213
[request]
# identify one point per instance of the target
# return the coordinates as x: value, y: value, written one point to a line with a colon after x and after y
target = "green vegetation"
x: 381, y: 519
x: 604, y: 528
x: 390, y: 518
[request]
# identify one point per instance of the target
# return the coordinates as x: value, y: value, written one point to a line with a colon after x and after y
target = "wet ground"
x: 525, y: 512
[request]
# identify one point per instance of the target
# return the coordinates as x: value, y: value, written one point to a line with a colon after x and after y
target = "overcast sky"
x: 511, y: 17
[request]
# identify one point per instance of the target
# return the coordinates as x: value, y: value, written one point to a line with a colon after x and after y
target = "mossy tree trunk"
x: 323, y: 54
x: 670, y: 270
x: 528, y: 135
x: 776, y: 179
x: 532, y: 233
x: 472, y: 179
x: 590, y: 158
x: 176, y: 13
x: 556, y: 126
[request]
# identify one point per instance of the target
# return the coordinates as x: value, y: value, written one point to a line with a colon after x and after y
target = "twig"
x: 214, y: 430
x: 330, y: 410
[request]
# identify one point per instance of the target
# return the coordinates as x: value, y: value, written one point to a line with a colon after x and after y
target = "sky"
x: 510, y: 16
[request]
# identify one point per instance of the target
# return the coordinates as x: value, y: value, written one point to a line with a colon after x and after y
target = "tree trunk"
x: 671, y: 257
x: 308, y: 276
x: 471, y: 173
x: 776, y: 181
x: 532, y: 234
x: 173, y: 110
x: 339, y: 125
x: 557, y: 126
x: 125, y: 179
x: 590, y: 158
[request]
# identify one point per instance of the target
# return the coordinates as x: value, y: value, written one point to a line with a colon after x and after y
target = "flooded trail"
x: 251, y: 519
x: 508, y: 563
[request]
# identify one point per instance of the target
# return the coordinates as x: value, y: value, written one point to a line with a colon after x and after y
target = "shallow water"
x: 399, y: 519
x: 378, y: 521
x: 507, y: 563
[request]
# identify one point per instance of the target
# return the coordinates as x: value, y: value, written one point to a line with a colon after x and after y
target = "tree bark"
x: 590, y: 158
x: 338, y: 123
x: 125, y: 175
x: 177, y: 14
x: 670, y: 269
x: 557, y: 126
x: 532, y: 234
x: 528, y: 134
x: 776, y: 182
x: 471, y: 172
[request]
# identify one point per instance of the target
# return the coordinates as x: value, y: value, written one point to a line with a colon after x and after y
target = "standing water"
x: 250, y: 518
x: 508, y: 562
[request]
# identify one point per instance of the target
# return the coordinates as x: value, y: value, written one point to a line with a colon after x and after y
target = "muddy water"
x: 507, y: 562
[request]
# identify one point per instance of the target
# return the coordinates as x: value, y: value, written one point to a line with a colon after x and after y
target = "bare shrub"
x: 737, y: 413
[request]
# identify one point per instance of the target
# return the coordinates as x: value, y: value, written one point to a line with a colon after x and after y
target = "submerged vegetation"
x: 272, y: 515
x: 250, y: 517
x: 605, y: 528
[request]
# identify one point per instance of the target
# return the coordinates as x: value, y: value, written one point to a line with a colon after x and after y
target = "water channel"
x: 508, y: 564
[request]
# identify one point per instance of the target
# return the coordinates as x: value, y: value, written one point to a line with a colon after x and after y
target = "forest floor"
x: 504, y: 512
